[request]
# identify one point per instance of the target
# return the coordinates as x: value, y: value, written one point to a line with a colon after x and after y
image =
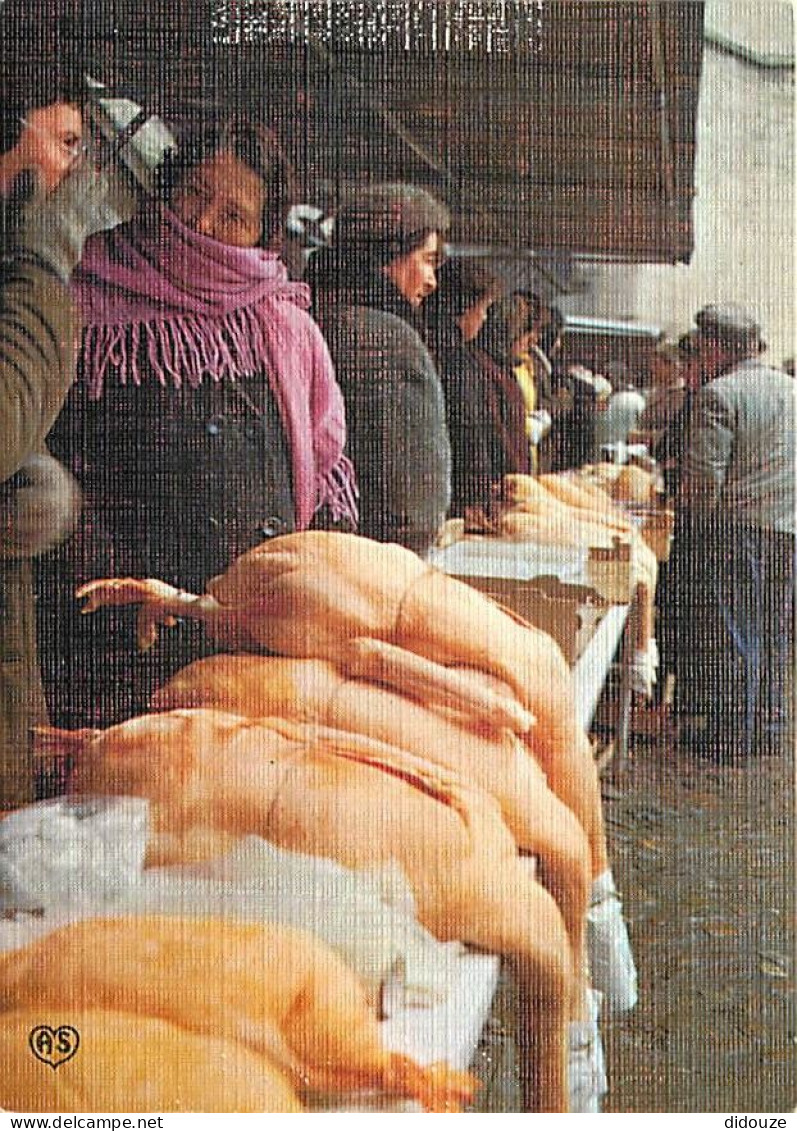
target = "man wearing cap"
x: 387, y: 247
x: 738, y: 499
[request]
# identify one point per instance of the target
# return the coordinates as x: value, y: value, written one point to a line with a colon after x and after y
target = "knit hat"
x: 388, y: 216
x: 729, y: 324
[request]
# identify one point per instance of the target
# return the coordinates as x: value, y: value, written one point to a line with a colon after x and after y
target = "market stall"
x: 481, y: 892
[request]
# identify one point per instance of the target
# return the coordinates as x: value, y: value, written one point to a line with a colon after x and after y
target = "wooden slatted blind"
x: 549, y: 124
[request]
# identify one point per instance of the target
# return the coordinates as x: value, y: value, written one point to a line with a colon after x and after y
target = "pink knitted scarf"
x: 161, y: 301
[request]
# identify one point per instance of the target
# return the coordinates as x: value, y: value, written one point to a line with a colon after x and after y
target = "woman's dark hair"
x: 254, y: 146
x: 389, y: 250
x: 507, y: 320
x: 460, y: 284
x: 538, y: 310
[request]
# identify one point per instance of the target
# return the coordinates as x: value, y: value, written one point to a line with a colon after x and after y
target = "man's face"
x: 664, y: 372
x: 50, y: 143
x: 414, y: 273
x: 709, y: 361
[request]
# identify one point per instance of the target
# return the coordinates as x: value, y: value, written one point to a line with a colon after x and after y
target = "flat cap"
x: 388, y: 213
x: 728, y: 323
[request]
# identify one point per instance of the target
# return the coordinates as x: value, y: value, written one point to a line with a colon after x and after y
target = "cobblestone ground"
x: 705, y: 860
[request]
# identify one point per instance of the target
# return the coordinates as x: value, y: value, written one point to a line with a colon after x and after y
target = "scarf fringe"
x: 184, y: 349
x: 338, y: 490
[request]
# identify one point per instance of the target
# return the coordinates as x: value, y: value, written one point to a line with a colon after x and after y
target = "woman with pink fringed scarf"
x: 206, y: 416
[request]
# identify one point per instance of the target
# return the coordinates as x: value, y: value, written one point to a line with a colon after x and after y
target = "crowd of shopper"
x: 182, y: 381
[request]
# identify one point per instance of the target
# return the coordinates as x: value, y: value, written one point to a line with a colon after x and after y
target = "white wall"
x: 744, y: 210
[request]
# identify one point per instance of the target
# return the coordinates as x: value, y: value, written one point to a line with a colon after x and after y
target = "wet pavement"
x: 704, y: 857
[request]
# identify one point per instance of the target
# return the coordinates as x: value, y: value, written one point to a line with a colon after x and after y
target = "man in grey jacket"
x: 738, y: 497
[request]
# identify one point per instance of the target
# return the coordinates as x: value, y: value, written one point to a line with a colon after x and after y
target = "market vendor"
x: 388, y: 245
x: 474, y: 406
x: 498, y: 348
x: 665, y: 392
x: 206, y: 417
x: 50, y: 200
x: 734, y: 680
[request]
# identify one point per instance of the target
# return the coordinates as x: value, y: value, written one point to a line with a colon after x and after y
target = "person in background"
x: 735, y: 676
x: 556, y: 454
x: 671, y: 445
x: 50, y: 201
x: 205, y: 418
x: 533, y: 370
x: 454, y: 316
x: 589, y: 395
x: 665, y: 392
x: 369, y: 287
x: 683, y: 376
x: 494, y: 349
x: 623, y: 412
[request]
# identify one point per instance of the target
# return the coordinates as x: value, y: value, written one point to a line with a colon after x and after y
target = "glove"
x: 538, y: 425
x: 643, y: 669
x: 52, y: 228
x: 39, y: 507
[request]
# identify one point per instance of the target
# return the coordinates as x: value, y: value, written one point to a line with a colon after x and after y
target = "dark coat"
x: 395, y: 414
x: 572, y: 440
x: 38, y: 329
x: 486, y: 414
x: 505, y: 414
x: 672, y: 445
x: 176, y: 484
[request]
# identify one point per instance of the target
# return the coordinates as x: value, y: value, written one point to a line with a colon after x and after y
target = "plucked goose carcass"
x: 375, y: 611
x: 489, y: 757
x: 278, y: 991
x: 324, y: 792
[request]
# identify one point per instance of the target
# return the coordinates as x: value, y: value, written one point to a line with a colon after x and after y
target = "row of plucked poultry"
x: 398, y: 715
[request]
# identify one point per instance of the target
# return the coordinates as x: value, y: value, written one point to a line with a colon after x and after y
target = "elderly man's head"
x: 41, y: 123
x: 726, y: 334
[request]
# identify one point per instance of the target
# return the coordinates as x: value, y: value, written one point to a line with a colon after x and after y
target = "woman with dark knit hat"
x: 369, y: 286
x: 454, y: 316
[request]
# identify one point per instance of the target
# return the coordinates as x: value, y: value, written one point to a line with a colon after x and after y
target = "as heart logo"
x: 54, y: 1046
